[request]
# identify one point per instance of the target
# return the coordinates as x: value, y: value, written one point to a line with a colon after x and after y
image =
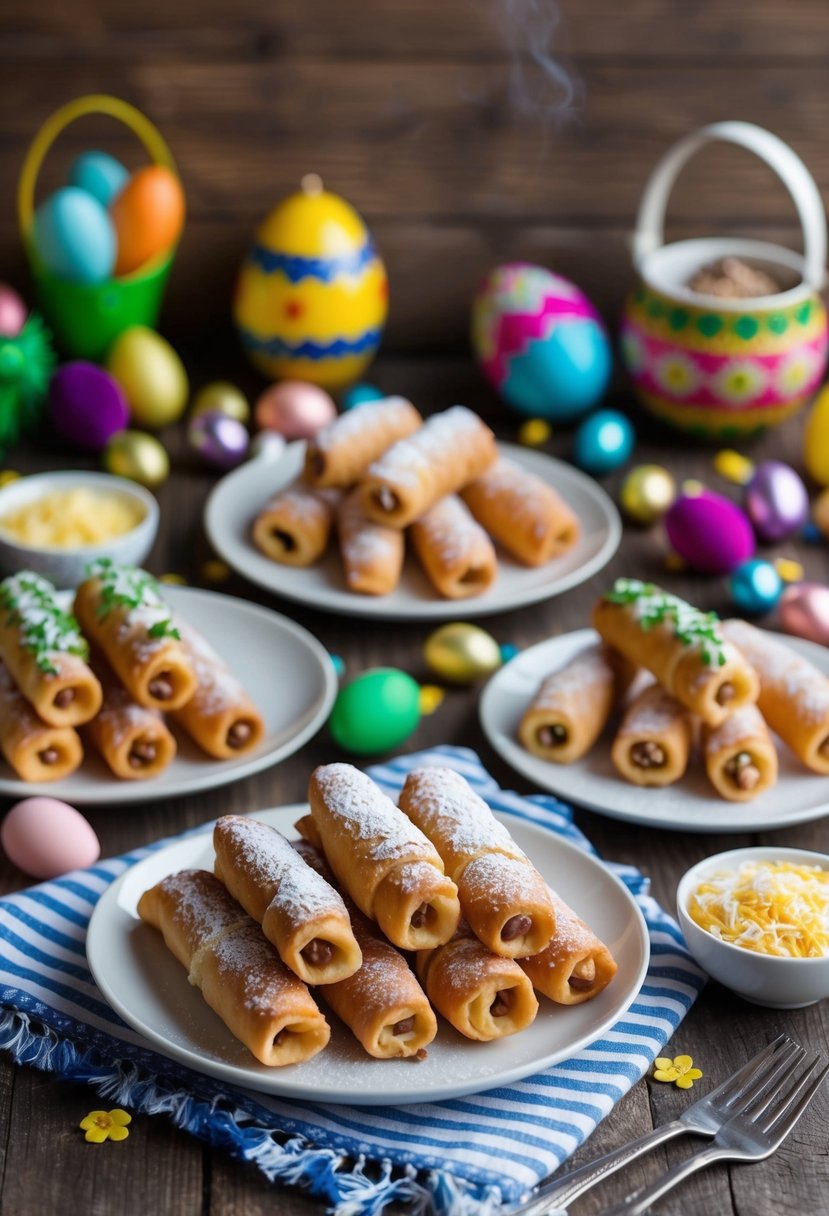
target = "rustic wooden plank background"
x: 447, y: 125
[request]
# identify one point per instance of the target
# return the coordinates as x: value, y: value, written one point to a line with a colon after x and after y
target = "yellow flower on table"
x: 101, y: 1125
x: 680, y: 1070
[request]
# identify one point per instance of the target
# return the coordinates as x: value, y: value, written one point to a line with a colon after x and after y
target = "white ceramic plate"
x: 691, y: 805
x: 149, y: 989
x: 286, y: 671
x: 237, y: 499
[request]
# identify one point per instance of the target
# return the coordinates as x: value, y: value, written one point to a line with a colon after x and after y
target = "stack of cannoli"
x: 105, y: 674
x: 380, y: 473
x: 721, y: 684
x: 281, y: 929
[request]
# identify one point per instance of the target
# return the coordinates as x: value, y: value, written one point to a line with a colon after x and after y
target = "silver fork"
x: 749, y: 1136
x: 704, y: 1118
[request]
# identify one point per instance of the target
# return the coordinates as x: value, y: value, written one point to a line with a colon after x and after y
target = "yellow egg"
x: 460, y: 653
x: 138, y: 456
x: 820, y: 512
x: 646, y: 493
x: 223, y: 397
x: 312, y: 295
x: 151, y: 374
x: 816, y: 439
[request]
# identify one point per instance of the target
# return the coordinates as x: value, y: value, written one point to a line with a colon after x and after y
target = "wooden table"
x: 44, y: 1164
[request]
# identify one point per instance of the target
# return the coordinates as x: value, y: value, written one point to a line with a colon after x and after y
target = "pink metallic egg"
x: 294, y: 408
x: 776, y: 501
x: 13, y: 312
x: 709, y: 532
x: 804, y: 611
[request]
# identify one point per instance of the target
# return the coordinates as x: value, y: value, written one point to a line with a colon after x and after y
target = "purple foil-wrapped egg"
x: 776, y: 501
x: 87, y: 406
x: 709, y: 532
x: 804, y: 611
x: 220, y: 440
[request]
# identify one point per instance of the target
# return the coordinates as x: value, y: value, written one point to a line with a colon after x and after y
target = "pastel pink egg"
x: 294, y: 408
x: 709, y: 532
x: 45, y: 837
x: 804, y: 611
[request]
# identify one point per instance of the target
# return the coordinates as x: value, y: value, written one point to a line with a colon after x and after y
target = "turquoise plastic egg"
x: 755, y: 587
x: 376, y: 711
x: 74, y: 236
x: 603, y: 442
x: 358, y: 394
x: 100, y: 174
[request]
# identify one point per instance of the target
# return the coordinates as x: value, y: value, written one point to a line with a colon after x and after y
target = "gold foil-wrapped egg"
x: 138, y: 456
x: 220, y: 396
x: 647, y: 492
x: 461, y: 653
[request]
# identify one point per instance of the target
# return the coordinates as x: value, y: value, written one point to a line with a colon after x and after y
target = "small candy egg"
x: 804, y: 611
x: 100, y: 174
x: 87, y: 405
x: 151, y: 374
x: 534, y: 432
x: 220, y: 441
x: 148, y: 215
x: 266, y: 445
x: 820, y: 512
x: 755, y: 586
x: 13, y: 312
x: 224, y: 397
x: 138, y: 456
x: 789, y: 569
x: 816, y: 439
x: 646, y: 493
x: 376, y: 711
x: 603, y: 442
x: 45, y: 837
x: 709, y: 532
x: 734, y: 466
x: 296, y: 409
x: 358, y: 394
x: 776, y: 501
x: 74, y: 236
x: 460, y: 653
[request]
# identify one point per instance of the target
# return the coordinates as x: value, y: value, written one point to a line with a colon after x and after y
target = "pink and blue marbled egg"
x: 540, y: 342
x: 709, y: 532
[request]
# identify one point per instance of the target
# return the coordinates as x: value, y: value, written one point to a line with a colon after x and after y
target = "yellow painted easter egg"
x: 816, y: 439
x: 138, y: 456
x: 312, y: 293
x: 151, y: 375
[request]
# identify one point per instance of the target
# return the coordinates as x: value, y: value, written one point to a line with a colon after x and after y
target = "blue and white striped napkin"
x: 473, y: 1156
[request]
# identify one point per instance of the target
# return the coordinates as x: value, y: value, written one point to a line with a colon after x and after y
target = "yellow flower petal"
x: 97, y: 1135
x: 686, y: 1081
x: 663, y: 1062
x: 683, y: 1063
x: 92, y: 1117
x: 116, y: 1132
x: 120, y: 1117
x: 694, y: 1073
x: 665, y: 1074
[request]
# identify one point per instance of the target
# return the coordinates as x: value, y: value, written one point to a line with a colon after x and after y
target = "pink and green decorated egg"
x: 540, y: 342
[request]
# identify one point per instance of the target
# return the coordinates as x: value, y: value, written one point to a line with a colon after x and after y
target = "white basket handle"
x: 770, y: 148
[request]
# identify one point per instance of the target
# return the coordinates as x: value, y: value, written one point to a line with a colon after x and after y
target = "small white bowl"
x: 65, y: 567
x: 764, y: 979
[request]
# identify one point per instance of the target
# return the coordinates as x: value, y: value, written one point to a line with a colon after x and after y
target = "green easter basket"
x: 86, y: 318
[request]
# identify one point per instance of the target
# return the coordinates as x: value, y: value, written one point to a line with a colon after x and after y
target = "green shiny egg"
x: 376, y: 711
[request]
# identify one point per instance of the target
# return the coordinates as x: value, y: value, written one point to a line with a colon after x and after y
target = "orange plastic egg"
x: 148, y: 216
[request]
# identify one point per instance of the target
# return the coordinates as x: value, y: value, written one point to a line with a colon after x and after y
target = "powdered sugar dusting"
x: 364, y: 544
x: 450, y: 811
x: 652, y: 713
x: 370, y: 816
x: 743, y: 725
x: 218, y: 688
x: 588, y: 668
x: 361, y: 420
x: 451, y: 531
x: 440, y: 438
x: 781, y: 668
x: 204, y: 907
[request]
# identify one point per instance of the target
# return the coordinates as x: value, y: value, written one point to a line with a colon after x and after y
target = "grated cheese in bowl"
x: 770, y: 907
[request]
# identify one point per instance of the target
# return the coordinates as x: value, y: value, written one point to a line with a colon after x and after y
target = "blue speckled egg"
x: 74, y: 236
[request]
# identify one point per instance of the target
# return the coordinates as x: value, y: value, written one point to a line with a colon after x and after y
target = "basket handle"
x: 93, y: 103
x: 770, y: 148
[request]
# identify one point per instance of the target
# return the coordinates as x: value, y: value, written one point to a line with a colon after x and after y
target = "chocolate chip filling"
x: 421, y: 916
x: 161, y: 686
x: 239, y: 734
x: 471, y: 577
x: 500, y: 1007
x: 403, y: 1026
x: 647, y: 754
x: 316, y: 464
x: 318, y: 952
x: 279, y: 1037
x: 725, y: 693
x: 743, y: 771
x: 516, y: 926
x: 65, y: 697
x: 552, y: 736
x: 49, y: 755
x: 285, y: 539
x: 583, y: 975
x: 143, y: 751
x: 386, y: 499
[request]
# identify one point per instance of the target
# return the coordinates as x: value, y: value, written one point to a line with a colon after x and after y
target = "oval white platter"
x: 145, y: 984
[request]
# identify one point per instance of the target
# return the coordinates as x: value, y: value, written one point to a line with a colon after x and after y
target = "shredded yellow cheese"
x: 772, y: 907
x: 71, y: 519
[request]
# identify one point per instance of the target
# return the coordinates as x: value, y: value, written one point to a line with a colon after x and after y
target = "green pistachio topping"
x: 134, y: 589
x: 652, y: 606
x: 30, y: 603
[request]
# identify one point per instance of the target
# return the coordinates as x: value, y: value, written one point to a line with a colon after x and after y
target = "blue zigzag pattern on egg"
x: 279, y: 348
x: 296, y: 268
